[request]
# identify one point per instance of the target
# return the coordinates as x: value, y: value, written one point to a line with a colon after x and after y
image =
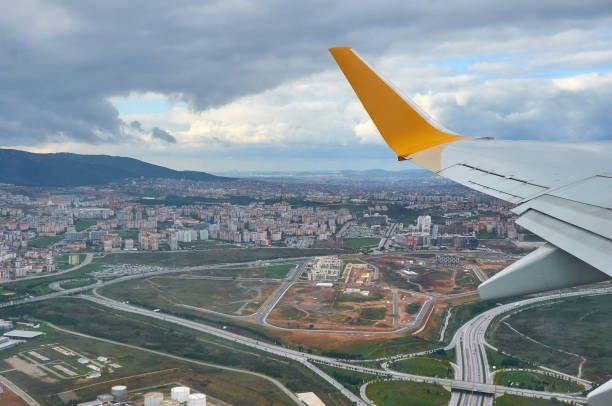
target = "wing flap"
x: 596, y: 191
x: 594, y: 219
x: 503, y: 187
x: 591, y: 248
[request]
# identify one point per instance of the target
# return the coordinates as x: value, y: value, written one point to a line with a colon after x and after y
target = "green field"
x: 358, y: 244
x: 40, y: 286
x: 77, y: 283
x: 485, y: 235
x: 92, y: 319
x: 497, y: 360
x: 84, y: 224
x: 424, y: 366
x: 403, y: 393
x: 138, y: 369
x: 577, y: 325
x: 276, y: 271
x: 133, y: 234
x: 511, y: 400
x: 61, y: 262
x: 44, y: 241
x: 373, y: 313
x: 211, y: 256
x: 536, y: 381
x: 412, y: 308
x: 166, y: 292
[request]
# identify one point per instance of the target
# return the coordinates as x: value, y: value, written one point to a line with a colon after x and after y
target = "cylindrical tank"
x: 180, y: 393
x: 153, y: 398
x: 119, y: 393
x: 169, y: 402
x: 196, y: 399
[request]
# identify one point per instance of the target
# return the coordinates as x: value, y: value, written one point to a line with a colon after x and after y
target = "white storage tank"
x: 119, y: 393
x: 196, y: 399
x: 180, y: 393
x: 169, y: 402
x: 153, y: 398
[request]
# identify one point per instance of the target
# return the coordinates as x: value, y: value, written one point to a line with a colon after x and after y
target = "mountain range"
x: 65, y: 169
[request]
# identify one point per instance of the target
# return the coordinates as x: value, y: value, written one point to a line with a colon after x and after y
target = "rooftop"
x: 22, y: 334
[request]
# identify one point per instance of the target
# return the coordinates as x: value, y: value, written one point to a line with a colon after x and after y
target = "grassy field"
x: 536, y: 381
x: 165, y: 292
x: 357, y: 244
x: 89, y: 318
x: 44, y: 241
x: 373, y: 313
x: 77, y: 283
x: 424, y: 366
x: 62, y: 264
x: 579, y: 325
x: 133, y: 234
x: 40, y: 286
x: 276, y: 271
x: 485, y: 235
x: 279, y: 271
x: 412, y: 308
x: 138, y: 369
x: 84, y: 224
x: 511, y: 400
x: 497, y: 360
x: 403, y: 393
x: 211, y: 256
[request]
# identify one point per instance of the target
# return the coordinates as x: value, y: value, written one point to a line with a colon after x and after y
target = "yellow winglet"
x: 405, y: 128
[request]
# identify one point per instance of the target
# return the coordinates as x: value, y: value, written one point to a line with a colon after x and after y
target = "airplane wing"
x: 562, y: 191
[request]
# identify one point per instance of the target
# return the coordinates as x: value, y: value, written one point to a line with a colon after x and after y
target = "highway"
x: 469, y: 341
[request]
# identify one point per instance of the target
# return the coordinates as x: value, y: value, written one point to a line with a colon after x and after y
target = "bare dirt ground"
x: 9, y: 398
x: 323, y: 308
x: 25, y: 367
x: 359, y: 274
x: 422, y: 276
x: 317, y: 308
x: 491, y: 268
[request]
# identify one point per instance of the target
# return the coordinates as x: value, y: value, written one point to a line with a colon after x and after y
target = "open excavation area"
x: 344, y: 308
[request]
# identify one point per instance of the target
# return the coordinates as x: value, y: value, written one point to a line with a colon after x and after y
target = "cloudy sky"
x: 249, y: 85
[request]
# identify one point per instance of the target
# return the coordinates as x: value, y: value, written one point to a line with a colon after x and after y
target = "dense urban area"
x: 309, y: 289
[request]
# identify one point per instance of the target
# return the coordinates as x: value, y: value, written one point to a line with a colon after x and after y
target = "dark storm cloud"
x: 137, y: 126
x: 61, y: 61
x: 160, y: 134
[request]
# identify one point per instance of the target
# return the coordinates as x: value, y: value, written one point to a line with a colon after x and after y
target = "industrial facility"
x: 179, y: 396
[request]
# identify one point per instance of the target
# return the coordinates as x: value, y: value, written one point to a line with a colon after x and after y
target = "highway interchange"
x: 472, y: 385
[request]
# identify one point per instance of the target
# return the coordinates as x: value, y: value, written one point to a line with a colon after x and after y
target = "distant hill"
x: 64, y: 169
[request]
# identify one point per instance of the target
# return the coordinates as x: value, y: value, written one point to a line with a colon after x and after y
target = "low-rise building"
x: 325, y: 269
